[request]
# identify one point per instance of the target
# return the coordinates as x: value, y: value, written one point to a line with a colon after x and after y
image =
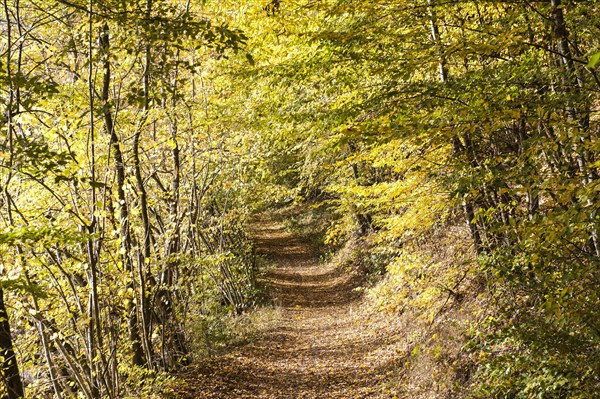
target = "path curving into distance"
x: 321, y: 346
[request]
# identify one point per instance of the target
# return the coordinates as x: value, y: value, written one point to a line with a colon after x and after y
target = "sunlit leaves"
x: 593, y: 60
x: 507, y: 138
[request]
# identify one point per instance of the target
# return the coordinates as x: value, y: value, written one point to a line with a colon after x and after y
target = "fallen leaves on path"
x: 323, y: 345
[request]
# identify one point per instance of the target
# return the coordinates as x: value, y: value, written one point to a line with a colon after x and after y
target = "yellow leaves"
x: 172, y: 144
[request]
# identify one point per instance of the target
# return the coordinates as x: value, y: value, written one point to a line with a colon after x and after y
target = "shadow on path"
x: 321, y: 347
x: 299, y: 279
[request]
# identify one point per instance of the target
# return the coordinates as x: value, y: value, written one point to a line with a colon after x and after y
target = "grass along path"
x: 324, y: 344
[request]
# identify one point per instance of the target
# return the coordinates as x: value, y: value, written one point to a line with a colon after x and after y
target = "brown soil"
x: 324, y: 344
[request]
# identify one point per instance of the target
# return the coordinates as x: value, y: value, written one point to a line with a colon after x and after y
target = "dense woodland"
x: 451, y: 146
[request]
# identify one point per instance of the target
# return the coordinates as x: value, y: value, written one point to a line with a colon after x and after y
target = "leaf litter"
x: 325, y: 343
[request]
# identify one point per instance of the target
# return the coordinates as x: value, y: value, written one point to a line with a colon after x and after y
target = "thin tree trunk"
x: 171, y: 272
x: 572, y: 83
x: 10, y: 367
x: 45, y: 344
x: 468, y: 209
x: 435, y: 35
x: 8, y: 361
x: 126, y: 241
x: 145, y: 253
x: 93, y: 328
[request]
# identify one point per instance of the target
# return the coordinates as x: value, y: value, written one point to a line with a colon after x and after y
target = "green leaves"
x: 593, y: 60
x: 21, y: 285
x: 45, y: 236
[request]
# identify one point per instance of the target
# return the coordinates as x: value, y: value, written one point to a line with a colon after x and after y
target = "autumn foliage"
x: 450, y: 146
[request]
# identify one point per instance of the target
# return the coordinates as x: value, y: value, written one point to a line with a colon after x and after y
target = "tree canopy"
x: 138, y: 138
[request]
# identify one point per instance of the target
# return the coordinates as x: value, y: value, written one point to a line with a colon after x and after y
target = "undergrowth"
x: 435, y: 295
x: 218, y: 333
x: 434, y: 288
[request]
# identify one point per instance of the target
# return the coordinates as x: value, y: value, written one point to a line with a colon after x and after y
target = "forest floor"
x: 324, y: 344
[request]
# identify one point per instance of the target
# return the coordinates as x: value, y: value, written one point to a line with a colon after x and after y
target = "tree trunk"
x: 468, y: 208
x: 138, y: 358
x: 145, y: 253
x: 10, y: 368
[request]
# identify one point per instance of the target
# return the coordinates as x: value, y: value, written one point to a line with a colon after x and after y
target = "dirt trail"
x: 322, y: 345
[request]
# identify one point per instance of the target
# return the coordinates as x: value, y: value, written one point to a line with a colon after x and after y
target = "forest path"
x: 322, y: 344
